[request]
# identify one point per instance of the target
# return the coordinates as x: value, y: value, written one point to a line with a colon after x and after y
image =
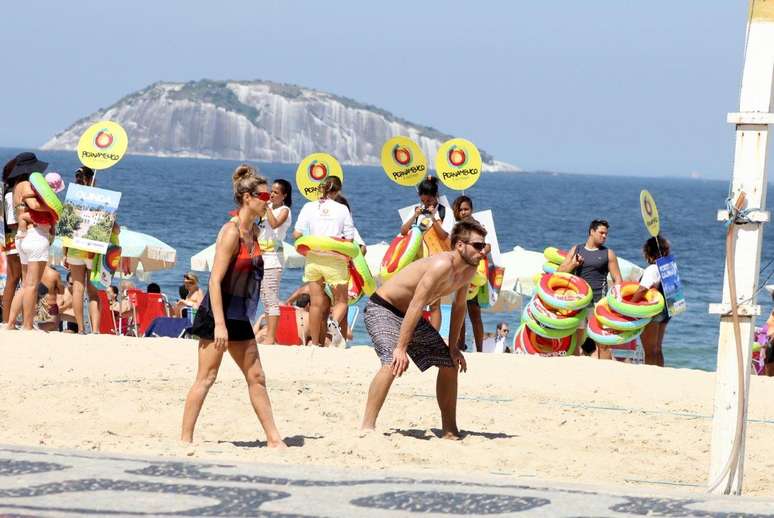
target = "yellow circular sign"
x: 313, y: 170
x: 403, y: 161
x: 649, y: 213
x: 102, y: 145
x: 458, y: 164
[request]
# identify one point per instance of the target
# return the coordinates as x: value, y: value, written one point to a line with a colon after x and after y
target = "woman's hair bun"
x: 243, y: 171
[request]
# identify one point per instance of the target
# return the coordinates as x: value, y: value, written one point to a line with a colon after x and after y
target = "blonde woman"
x: 329, y: 218
x: 223, y: 320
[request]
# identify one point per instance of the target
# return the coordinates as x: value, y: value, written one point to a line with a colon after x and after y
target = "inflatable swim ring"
x: 554, y: 255
x: 46, y: 196
x: 650, y: 306
x: 402, y: 251
x: 359, y: 268
x: 326, y: 245
x: 609, y: 318
x: 546, y: 332
x: 606, y: 336
x: 555, y: 318
x: 550, y: 267
x: 478, y: 280
x: 562, y: 290
x: 354, y: 288
x: 532, y: 343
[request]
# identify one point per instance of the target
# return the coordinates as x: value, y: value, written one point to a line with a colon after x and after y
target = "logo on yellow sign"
x: 403, y: 161
x: 458, y: 164
x: 102, y: 145
x: 649, y: 213
x: 313, y: 170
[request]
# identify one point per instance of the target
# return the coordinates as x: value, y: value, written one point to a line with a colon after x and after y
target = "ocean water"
x: 184, y: 202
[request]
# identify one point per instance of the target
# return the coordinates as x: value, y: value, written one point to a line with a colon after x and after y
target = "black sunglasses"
x: 478, y: 245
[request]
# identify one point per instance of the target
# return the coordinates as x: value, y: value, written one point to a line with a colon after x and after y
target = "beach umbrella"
x: 202, y: 261
x: 522, y: 265
x: 141, y: 254
x: 292, y: 258
x: 143, y: 249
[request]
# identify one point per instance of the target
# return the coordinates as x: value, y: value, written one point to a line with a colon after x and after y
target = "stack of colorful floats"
x: 561, y: 302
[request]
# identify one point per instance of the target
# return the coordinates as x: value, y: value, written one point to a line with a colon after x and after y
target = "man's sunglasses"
x: 263, y: 196
x: 478, y: 245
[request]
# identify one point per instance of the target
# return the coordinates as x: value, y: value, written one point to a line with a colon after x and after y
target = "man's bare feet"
x: 276, y: 444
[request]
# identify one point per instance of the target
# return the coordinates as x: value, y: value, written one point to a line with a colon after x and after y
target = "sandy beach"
x: 564, y: 419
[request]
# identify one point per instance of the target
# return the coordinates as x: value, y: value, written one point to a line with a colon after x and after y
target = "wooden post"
x: 755, y: 106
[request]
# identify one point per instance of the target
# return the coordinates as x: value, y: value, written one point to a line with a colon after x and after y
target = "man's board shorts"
x: 332, y: 270
x: 33, y: 247
x: 383, y: 321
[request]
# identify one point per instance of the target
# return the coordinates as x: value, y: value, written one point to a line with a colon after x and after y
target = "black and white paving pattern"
x: 42, y: 482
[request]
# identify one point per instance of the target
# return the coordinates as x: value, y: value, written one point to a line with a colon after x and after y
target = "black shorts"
x: 204, y: 328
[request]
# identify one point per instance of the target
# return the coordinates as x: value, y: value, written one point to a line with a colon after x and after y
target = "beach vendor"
x: 80, y: 263
x: 273, y: 229
x: 462, y: 208
x: 593, y: 261
x: 427, y: 190
x: 652, y: 336
x: 34, y: 246
x: 223, y: 320
x: 393, y: 319
x: 12, y: 261
x: 326, y: 217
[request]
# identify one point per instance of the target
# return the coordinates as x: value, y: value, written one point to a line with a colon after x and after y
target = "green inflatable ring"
x: 650, y: 306
x: 545, y: 332
x: 605, y: 336
x: 554, y: 255
x: 46, y: 194
x: 326, y: 245
x: 552, y: 318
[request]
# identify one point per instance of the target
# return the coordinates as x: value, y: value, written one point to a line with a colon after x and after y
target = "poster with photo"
x: 87, y: 218
x: 670, y: 283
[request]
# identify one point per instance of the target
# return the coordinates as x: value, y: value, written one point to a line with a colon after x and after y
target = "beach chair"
x: 137, y: 299
x: 153, y: 307
x: 287, y: 328
x: 107, y: 318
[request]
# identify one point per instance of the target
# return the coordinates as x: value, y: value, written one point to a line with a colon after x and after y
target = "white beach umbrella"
x: 203, y: 260
x: 143, y: 249
x: 140, y: 253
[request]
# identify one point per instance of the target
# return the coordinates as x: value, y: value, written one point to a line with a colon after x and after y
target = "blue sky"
x: 606, y: 87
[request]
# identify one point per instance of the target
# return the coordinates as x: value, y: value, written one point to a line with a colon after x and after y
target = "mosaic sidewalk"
x: 42, y: 482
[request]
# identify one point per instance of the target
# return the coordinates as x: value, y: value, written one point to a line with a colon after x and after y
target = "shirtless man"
x: 393, y: 318
x: 48, y: 310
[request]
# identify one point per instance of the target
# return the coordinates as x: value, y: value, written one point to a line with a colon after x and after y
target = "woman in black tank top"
x: 223, y: 318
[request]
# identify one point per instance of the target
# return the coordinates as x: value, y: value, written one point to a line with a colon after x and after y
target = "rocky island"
x: 256, y: 120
